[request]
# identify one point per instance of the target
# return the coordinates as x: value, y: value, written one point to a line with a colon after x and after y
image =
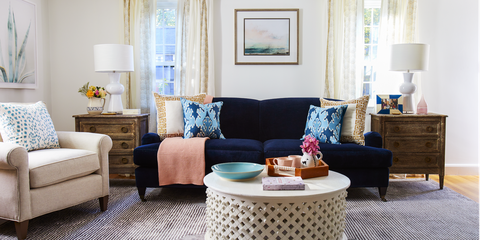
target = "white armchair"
x: 42, y: 181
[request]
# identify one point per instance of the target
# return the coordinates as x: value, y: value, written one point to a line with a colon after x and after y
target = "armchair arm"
x: 14, y: 183
x: 373, y: 139
x: 95, y: 142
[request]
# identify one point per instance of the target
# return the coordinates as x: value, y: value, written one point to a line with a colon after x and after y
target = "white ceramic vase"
x: 309, y: 160
x: 95, y: 105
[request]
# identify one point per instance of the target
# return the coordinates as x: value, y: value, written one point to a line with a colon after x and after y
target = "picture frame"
x: 266, y: 36
x: 389, y: 104
x: 19, y: 69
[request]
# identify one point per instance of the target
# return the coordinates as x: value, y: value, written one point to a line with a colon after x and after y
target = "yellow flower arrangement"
x: 92, y: 91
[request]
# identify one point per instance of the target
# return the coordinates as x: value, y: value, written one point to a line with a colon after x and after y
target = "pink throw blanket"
x: 181, y: 161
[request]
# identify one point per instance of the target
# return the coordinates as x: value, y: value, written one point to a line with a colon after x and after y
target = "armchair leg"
x: 21, y: 228
x: 103, y: 203
x: 141, y: 193
x: 382, y: 191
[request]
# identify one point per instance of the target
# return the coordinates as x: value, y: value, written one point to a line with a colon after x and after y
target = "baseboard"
x: 461, y: 169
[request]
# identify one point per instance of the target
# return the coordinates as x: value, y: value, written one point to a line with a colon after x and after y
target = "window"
x: 165, y: 48
x: 371, y: 19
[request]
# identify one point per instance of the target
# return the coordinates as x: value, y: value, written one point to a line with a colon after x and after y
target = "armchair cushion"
x: 28, y: 125
x: 51, y: 166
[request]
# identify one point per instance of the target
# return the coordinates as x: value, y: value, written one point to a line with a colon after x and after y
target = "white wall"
x: 272, y: 81
x: 75, y: 26
x: 450, y: 85
x: 42, y: 92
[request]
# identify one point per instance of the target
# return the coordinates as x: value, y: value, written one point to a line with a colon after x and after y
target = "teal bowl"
x: 237, y: 170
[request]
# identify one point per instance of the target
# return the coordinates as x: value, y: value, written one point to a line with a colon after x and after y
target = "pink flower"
x: 310, y: 145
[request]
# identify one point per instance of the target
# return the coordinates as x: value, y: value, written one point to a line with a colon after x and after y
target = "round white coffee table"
x: 243, y: 210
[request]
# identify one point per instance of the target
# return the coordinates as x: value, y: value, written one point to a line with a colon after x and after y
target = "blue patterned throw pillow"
x: 201, y: 120
x: 325, y: 124
x: 29, y: 126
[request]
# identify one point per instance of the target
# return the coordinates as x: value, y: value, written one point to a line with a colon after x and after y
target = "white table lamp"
x: 114, y: 59
x: 409, y: 58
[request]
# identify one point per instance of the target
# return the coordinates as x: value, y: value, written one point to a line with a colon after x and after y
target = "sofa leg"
x: 21, y: 228
x: 382, y: 191
x: 103, y: 203
x: 141, y: 193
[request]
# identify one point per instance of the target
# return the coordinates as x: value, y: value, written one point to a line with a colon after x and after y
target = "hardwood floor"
x: 468, y: 186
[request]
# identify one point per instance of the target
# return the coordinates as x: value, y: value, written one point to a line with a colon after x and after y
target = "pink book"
x: 282, y: 183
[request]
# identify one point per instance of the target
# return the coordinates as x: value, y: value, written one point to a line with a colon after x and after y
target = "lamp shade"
x: 111, y: 58
x: 409, y: 57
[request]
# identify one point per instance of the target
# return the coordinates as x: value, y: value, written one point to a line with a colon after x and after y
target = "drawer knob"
x: 395, y: 159
x: 396, y: 144
x: 124, y: 145
x: 427, y: 159
x: 124, y: 160
x: 428, y: 144
x: 93, y: 129
x: 396, y: 129
x: 124, y: 129
x: 429, y: 129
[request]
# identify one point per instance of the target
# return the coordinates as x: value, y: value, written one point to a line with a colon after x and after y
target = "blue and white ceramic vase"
x: 95, y: 105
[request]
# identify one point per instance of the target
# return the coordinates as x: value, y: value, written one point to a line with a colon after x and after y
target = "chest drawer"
x: 123, y: 144
x: 115, y: 131
x: 415, y: 160
x: 412, y: 145
x: 400, y: 129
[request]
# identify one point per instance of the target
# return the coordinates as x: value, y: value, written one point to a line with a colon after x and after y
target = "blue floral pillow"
x: 201, y: 120
x: 325, y: 124
x: 29, y: 126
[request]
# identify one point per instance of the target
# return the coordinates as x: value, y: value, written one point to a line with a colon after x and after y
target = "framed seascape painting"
x: 18, y: 39
x: 266, y: 36
x: 389, y: 104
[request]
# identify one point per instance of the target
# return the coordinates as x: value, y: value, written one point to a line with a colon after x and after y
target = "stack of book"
x: 282, y: 183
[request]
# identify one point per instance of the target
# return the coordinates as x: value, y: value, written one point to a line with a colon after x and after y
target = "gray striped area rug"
x: 416, y: 209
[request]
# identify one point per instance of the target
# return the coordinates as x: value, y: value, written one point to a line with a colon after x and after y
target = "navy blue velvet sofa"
x: 260, y: 129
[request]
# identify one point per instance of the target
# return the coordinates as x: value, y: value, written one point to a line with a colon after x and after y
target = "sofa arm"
x: 14, y: 182
x: 373, y: 139
x: 149, y: 138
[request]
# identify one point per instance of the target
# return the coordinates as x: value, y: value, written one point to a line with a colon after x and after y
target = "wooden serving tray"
x: 304, y: 173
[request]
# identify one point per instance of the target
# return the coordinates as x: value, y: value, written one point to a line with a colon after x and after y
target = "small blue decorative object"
x: 387, y: 103
x: 325, y: 124
x: 237, y: 170
x: 201, y: 120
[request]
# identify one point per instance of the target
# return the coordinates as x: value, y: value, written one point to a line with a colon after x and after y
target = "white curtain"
x: 139, y: 16
x: 194, y: 66
x: 344, y: 49
x: 397, y: 25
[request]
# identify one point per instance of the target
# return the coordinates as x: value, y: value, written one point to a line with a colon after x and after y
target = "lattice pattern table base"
x: 229, y: 217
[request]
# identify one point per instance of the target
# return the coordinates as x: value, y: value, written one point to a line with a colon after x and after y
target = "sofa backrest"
x: 282, y: 118
x: 239, y: 118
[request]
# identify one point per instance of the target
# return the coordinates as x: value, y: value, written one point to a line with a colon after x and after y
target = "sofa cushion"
x: 51, y: 166
x: 284, y: 118
x: 345, y: 156
x: 325, y: 124
x: 240, y: 118
x: 162, y: 124
x: 27, y: 125
x: 232, y: 150
x: 360, y: 112
x: 202, y: 120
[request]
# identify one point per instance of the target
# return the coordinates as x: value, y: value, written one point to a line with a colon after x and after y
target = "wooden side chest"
x: 416, y: 141
x: 126, y: 132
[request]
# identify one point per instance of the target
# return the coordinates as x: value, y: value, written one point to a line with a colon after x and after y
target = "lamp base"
x: 408, y: 106
x: 115, y: 89
x: 407, y: 89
